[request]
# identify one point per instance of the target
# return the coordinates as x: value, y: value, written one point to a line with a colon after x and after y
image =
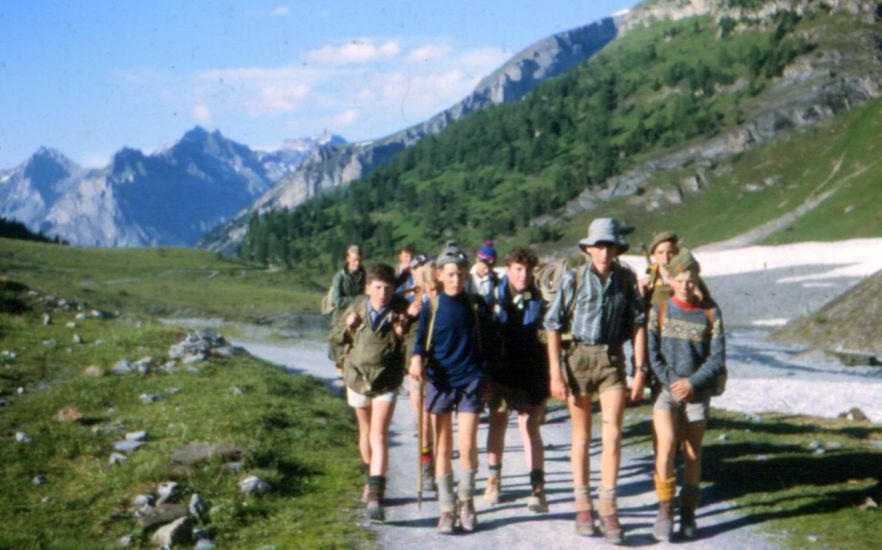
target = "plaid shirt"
x: 604, y: 313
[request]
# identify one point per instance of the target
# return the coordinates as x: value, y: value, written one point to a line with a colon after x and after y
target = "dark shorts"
x: 594, y: 368
x: 522, y: 395
x: 466, y: 399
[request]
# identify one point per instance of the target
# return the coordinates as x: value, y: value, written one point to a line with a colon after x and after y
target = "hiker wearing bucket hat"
x: 600, y: 305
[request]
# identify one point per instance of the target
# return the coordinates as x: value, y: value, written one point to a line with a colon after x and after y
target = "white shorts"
x: 360, y: 401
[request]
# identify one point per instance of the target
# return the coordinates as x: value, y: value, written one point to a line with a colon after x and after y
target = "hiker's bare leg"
x: 580, y: 419
x: 612, y: 409
x: 381, y: 418
x: 529, y: 423
x: 666, y: 446
x: 363, y: 415
x: 468, y: 439
x: 498, y: 422
x: 692, y: 452
x: 444, y: 441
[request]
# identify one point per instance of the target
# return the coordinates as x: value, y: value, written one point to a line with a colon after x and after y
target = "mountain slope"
x: 28, y: 191
x: 663, y: 111
x: 333, y: 166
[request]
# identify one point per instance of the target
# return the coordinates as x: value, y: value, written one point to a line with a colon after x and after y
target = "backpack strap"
x: 577, y: 282
x: 662, y: 310
x: 433, y: 312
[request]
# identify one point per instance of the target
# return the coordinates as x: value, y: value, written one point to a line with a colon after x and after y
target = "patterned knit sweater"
x: 689, y: 345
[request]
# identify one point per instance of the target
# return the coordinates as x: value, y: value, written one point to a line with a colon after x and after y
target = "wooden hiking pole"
x: 420, y: 446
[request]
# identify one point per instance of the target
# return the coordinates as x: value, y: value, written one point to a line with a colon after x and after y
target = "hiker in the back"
x: 450, y: 352
x: 599, y: 305
x: 347, y: 285
x: 370, y: 333
x: 483, y: 280
x: 404, y: 282
x: 518, y: 377
x: 687, y: 351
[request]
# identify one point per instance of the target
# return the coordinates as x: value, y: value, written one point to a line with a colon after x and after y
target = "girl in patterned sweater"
x: 687, y: 350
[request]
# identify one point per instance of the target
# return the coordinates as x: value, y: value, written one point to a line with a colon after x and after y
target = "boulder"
x: 69, y: 414
x: 142, y: 501
x: 168, y: 491
x: 157, y: 515
x: 198, y: 507
x: 253, y: 485
x: 177, y: 532
x: 123, y: 366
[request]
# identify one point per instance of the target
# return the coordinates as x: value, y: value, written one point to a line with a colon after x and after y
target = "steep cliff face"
x: 331, y: 166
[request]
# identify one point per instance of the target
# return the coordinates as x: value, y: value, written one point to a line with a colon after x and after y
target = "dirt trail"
x: 510, y: 525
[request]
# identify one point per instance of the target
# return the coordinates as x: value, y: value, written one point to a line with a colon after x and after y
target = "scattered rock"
x: 151, y: 516
x: 47, y: 319
x: 39, y: 479
x: 172, y: 390
x: 77, y: 339
x: 761, y: 458
x: 814, y: 445
x: 150, y: 397
x: 20, y: 390
x: 177, y: 532
x: 168, y: 491
x: 117, y: 458
x: 854, y: 413
x: 820, y: 451
x: 107, y: 429
x: 97, y: 314
x: 253, y: 485
x: 236, y: 390
x: 62, y: 303
x: 193, y: 370
x: 813, y: 538
x: 833, y: 445
x: 723, y: 437
x: 127, y: 446
x: 33, y: 293
x: 142, y: 501
x: 170, y: 367
x: 204, y: 544
x: 69, y: 413
x: 70, y: 324
x: 868, y: 504
x: 122, y: 367
x: 195, y: 453
x: 23, y: 437
x: 99, y: 342
x: 125, y: 541
x: 228, y: 351
x: 80, y: 317
x: 142, y: 365
x: 50, y: 342
x: 194, y: 358
x: 136, y: 436
x: 94, y: 371
x: 198, y: 507
x: 6, y: 354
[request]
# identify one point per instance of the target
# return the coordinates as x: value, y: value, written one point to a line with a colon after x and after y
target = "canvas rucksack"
x: 718, y: 385
x: 373, y: 364
x: 328, y: 306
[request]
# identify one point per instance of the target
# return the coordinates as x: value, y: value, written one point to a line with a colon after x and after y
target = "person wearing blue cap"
x: 483, y: 280
x: 600, y: 306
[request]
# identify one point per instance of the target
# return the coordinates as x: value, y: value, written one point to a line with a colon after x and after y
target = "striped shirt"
x: 604, y: 313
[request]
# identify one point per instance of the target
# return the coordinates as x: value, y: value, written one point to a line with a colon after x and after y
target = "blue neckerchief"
x: 531, y: 303
x: 376, y: 316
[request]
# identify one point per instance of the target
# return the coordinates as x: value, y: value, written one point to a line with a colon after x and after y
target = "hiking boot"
x: 491, y: 493
x: 611, y: 529
x: 468, y: 518
x: 664, y: 521
x: 446, y: 523
x: 428, y: 476
x: 585, y: 525
x: 688, y: 528
x: 537, y: 502
x: 374, y: 512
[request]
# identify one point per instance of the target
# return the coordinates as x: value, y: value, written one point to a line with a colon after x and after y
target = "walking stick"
x: 420, y: 446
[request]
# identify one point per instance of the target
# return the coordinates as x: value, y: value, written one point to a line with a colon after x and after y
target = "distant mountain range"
x: 170, y: 197
x: 334, y: 165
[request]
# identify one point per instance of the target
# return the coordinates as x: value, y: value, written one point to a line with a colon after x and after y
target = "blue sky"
x: 89, y: 77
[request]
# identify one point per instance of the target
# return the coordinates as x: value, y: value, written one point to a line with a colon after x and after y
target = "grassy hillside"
x: 652, y: 91
x: 85, y: 502
x: 161, y: 281
x: 850, y: 321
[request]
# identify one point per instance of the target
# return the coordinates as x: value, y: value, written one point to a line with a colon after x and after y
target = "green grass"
x: 767, y: 468
x: 162, y: 281
x: 85, y: 503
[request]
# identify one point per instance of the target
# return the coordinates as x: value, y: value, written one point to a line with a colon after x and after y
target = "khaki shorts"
x: 696, y: 411
x: 360, y: 401
x: 589, y: 369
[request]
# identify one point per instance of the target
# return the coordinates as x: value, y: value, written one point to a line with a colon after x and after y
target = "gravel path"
x: 510, y: 525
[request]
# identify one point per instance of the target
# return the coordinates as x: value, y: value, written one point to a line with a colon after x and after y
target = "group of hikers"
x: 475, y: 340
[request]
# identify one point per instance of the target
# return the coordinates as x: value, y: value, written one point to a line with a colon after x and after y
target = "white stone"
x: 23, y: 437
x: 136, y: 436
x: 167, y: 491
x: 253, y: 485
x: 117, y: 458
